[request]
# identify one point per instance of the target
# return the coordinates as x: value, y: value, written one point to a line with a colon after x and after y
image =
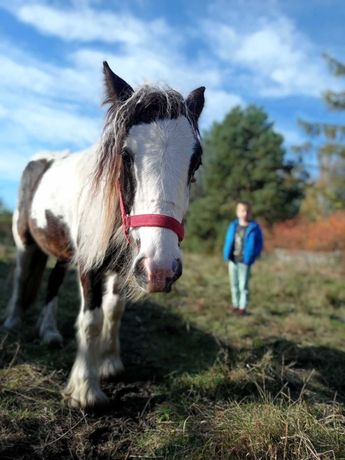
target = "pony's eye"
x: 196, y: 167
x: 127, y: 154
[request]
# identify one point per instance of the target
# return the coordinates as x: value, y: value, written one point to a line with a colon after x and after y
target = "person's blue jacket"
x: 253, y: 242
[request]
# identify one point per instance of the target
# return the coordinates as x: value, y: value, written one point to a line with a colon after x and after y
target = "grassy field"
x: 200, y: 383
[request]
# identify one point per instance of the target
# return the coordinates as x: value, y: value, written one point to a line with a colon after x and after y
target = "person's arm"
x: 260, y: 242
x: 228, y: 243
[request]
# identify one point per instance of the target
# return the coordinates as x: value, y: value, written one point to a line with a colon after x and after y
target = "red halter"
x: 148, y: 220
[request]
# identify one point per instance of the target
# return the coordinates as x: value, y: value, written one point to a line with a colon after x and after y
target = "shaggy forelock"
x: 146, y: 104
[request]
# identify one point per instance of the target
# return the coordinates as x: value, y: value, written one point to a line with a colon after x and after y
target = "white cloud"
x: 43, y: 104
x: 144, y: 64
x: 148, y: 53
x: 140, y: 48
x: 280, y: 60
x: 21, y: 73
x: 85, y: 24
x: 138, y: 66
x: 53, y: 126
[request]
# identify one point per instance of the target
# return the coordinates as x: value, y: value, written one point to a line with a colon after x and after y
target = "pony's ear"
x: 195, y: 102
x: 117, y: 90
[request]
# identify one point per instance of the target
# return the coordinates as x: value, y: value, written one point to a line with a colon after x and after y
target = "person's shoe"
x: 234, y: 309
x: 242, y: 312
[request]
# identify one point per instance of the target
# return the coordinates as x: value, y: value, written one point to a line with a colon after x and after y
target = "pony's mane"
x: 146, y: 104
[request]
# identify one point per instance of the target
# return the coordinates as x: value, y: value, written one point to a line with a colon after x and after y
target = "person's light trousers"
x: 239, y: 274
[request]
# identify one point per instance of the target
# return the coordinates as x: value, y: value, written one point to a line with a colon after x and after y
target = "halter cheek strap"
x: 148, y: 220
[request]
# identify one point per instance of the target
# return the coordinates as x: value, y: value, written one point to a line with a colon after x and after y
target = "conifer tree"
x: 244, y: 159
x: 327, y: 193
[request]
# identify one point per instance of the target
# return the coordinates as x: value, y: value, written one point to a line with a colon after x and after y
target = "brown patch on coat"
x: 92, y: 285
x: 55, y: 238
x: 30, y: 180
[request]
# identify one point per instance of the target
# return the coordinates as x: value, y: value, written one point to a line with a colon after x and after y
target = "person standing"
x: 243, y: 245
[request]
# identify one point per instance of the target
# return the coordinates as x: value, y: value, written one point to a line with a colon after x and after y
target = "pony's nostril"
x: 156, y: 279
x: 140, y: 272
x: 177, y: 268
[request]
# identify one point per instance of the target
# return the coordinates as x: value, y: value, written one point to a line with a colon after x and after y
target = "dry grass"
x: 199, y: 383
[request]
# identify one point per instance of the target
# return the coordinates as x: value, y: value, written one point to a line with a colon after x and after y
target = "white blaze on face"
x: 162, y: 152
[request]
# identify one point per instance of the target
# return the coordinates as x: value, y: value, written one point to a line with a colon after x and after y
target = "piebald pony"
x: 84, y: 208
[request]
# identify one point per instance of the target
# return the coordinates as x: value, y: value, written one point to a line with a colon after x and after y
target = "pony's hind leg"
x: 83, y: 389
x: 30, y: 264
x: 113, y: 307
x: 47, y: 325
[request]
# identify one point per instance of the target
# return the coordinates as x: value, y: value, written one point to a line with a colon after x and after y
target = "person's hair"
x: 246, y: 204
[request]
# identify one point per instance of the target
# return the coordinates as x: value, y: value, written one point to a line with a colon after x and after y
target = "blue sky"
x: 266, y: 52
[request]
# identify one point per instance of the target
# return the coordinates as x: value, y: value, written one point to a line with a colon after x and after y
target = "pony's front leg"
x: 83, y: 389
x: 113, y: 307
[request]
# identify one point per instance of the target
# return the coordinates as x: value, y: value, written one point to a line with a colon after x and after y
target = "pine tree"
x: 327, y: 193
x: 244, y: 159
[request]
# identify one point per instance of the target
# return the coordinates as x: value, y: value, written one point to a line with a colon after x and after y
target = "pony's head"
x: 151, y: 150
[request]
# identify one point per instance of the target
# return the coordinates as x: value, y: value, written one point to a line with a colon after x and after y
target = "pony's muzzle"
x: 153, y: 278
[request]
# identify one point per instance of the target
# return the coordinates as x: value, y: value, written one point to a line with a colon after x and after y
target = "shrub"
x: 324, y: 234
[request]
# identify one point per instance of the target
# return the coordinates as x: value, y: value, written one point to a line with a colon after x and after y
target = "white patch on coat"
x: 113, y: 307
x: 162, y: 154
x: 19, y: 243
x: 58, y: 190
x: 83, y: 389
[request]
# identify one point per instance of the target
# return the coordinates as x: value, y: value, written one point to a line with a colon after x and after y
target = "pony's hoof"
x: 12, y: 323
x: 52, y: 339
x: 84, y: 396
x: 110, y: 367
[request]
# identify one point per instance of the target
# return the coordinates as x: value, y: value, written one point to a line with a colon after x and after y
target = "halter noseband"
x: 148, y: 220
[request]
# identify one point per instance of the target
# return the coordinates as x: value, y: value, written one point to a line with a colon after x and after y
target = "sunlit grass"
x: 200, y: 382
